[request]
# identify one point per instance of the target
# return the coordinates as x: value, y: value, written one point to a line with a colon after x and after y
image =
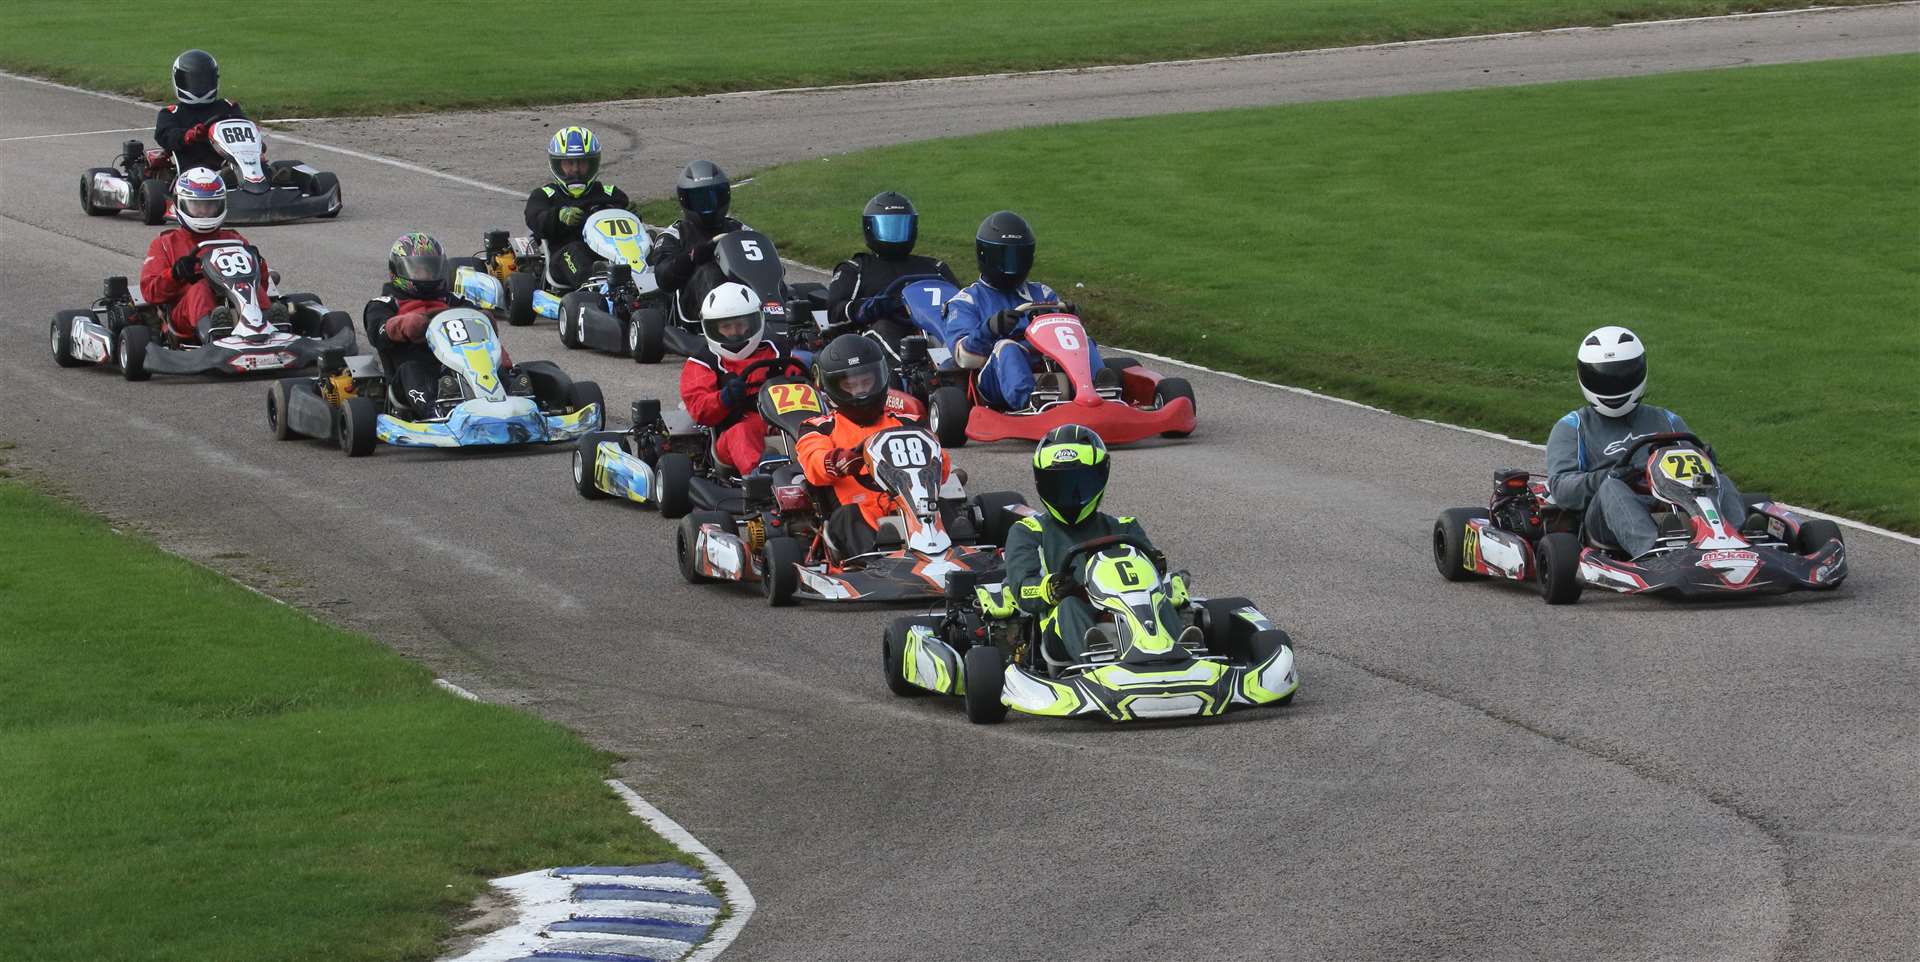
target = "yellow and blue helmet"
x: 573, y: 156
x: 1070, y: 472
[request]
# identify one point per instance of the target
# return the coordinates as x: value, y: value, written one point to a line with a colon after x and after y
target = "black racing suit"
x: 569, y: 260
x: 867, y: 275
x: 674, y: 268
x: 170, y: 128
x: 1036, y: 545
x: 411, y: 364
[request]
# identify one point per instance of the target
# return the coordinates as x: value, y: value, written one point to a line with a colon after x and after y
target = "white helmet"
x: 730, y: 318
x: 1613, y: 370
x: 200, y: 200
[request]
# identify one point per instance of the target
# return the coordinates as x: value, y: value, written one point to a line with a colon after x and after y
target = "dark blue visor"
x: 706, y: 200
x: 1011, y: 260
x: 892, y: 228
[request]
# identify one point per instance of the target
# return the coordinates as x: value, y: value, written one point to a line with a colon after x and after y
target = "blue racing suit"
x: 1005, y: 364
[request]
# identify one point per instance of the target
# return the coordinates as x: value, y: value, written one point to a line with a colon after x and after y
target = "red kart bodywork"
x: 1062, y: 339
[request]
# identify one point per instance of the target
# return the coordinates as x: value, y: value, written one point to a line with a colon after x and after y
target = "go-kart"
x: 527, y: 291
x: 1137, y: 403
x: 1522, y: 536
x: 353, y: 403
x: 794, y: 311
x: 984, y: 649
x: 124, y: 331
x: 258, y: 191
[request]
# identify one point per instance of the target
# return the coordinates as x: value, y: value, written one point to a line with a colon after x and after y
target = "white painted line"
x: 456, y: 689
x: 658, y: 883
x: 734, y: 887
x: 75, y: 133
x: 661, y: 911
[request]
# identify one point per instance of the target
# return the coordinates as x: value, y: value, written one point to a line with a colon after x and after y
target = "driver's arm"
x: 967, y: 334
x: 1026, y: 568
x: 841, y: 292
x: 672, y: 267
x: 700, y: 392
x: 157, y: 284
x: 1568, y: 484
x: 812, y: 449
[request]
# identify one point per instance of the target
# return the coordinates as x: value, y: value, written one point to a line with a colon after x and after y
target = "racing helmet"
x: 1613, y: 370
x: 196, y: 77
x: 854, y: 374
x: 705, y: 193
x: 417, y: 266
x: 200, y: 200
x: 732, y: 321
x: 890, y: 225
x: 1070, y: 472
x: 573, y: 157
x: 1004, y: 249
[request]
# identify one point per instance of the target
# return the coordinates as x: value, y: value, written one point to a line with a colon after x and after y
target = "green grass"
x: 368, y: 56
x: 193, y: 772
x: 1442, y: 254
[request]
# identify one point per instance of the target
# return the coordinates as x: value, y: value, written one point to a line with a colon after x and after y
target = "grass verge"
x: 373, y: 58
x: 195, y: 772
x: 1441, y: 254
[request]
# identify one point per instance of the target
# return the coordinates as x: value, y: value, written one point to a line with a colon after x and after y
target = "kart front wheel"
x: 582, y: 393
x: 1449, y: 543
x: 675, y: 477
x: 947, y: 411
x: 279, y: 396
x: 520, y: 288
x: 1263, y: 646
x: 686, y: 541
x: 586, y: 462
x: 357, y: 423
x: 986, y: 677
x: 1166, y: 391
x: 780, y: 573
x: 153, y: 201
x: 1557, y: 559
x: 130, y: 352
x: 1815, y: 534
x: 997, y: 515
x: 893, y: 658
x: 60, y: 339
x: 647, y: 336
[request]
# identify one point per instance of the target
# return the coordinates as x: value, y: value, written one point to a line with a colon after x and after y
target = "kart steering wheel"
x: 1633, y: 460
x: 1070, y: 563
x: 777, y: 365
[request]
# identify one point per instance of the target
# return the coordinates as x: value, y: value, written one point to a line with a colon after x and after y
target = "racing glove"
x: 733, y: 393
x: 186, y: 267
x: 410, y: 327
x: 842, y: 462
x: 194, y: 134
x: 1055, y: 587
x: 870, y: 310
x: 701, y: 252
x: 1003, y: 323
x: 571, y: 216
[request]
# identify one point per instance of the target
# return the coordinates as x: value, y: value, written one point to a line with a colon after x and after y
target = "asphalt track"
x: 1466, y: 774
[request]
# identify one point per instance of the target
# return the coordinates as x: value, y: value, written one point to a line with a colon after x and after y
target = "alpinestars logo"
x: 1625, y: 444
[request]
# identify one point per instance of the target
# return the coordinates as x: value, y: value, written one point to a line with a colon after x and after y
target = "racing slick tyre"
x: 985, y: 667
x: 86, y: 193
x: 1449, y: 543
x: 647, y: 336
x: 1216, y: 622
x: 325, y: 183
x: 893, y: 653
x: 586, y: 455
x: 357, y: 422
x: 520, y: 288
x: 1815, y: 534
x: 686, y: 533
x: 277, y: 401
x: 947, y: 411
x: 571, y: 323
x: 333, y: 322
x: 60, y: 338
x: 1168, y: 389
x: 780, y: 575
x: 1264, y: 645
x: 1557, y: 559
x: 130, y: 352
x: 153, y: 202
x: 675, y: 477
x: 582, y: 393
x: 997, y: 515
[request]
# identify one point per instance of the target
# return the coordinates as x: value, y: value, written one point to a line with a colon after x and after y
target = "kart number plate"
x: 1686, y: 465
x: 792, y: 398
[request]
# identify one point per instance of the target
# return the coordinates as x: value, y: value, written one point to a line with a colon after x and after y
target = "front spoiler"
x: 466, y: 428
x: 1702, y: 573
x: 621, y: 474
x: 1117, y: 422
x: 279, y: 205
x: 226, y: 359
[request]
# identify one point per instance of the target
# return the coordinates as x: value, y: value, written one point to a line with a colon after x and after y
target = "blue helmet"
x: 1003, y: 248
x: 573, y: 156
x: 890, y: 225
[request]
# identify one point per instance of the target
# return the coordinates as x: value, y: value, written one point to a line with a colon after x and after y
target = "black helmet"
x: 196, y: 77
x: 705, y: 193
x: 1070, y: 472
x: 1004, y: 249
x: 890, y: 224
x: 853, y: 373
x: 417, y: 266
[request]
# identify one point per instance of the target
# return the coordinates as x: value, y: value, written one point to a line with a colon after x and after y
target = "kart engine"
x: 1514, y: 507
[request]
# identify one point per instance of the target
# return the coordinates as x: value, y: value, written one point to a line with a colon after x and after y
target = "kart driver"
x: 556, y: 211
x: 1070, y: 469
x: 171, y: 277
x: 1586, y: 452
x: 183, y: 127
x: 711, y: 383
x: 854, y: 298
x: 396, y: 324
x: 983, y: 329
x: 682, y: 255
x: 854, y: 375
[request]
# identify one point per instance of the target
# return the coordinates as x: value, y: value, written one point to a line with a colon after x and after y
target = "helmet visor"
x: 203, y: 206
x: 1614, y: 378
x: 1007, y: 260
x: 711, y: 199
x: 1069, y: 490
x: 421, y: 267
x: 892, y: 228
x: 199, y: 80
x: 860, y: 383
x: 735, y: 331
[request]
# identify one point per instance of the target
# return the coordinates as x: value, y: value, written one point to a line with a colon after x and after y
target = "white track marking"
x: 456, y: 689
x: 75, y: 133
x: 738, y: 897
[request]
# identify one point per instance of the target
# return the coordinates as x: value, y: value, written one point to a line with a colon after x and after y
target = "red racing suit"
x: 186, y: 301
x: 742, y: 432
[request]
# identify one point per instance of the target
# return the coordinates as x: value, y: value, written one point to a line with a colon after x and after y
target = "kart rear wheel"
x: 60, y: 338
x: 325, y: 183
x: 676, y: 485
x: 583, y: 393
x: 1264, y: 645
x: 1118, y: 364
x: 572, y: 324
x: 333, y: 322
x: 520, y: 288
x: 1168, y: 389
x: 586, y: 458
x: 130, y: 352
x: 278, y: 398
x: 1557, y: 559
x: 893, y: 652
x: 779, y: 576
x: 357, y: 423
x: 86, y: 193
x: 1815, y: 534
x: 986, y: 677
x: 686, y: 533
x: 1449, y: 543
x: 947, y: 411
x: 647, y: 335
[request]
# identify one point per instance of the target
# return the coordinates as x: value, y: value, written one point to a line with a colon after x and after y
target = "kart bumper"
x: 479, y: 424
x: 897, y: 576
x: 282, y: 204
x: 1696, y: 573
x: 1115, y: 421
x: 621, y: 474
x: 222, y: 357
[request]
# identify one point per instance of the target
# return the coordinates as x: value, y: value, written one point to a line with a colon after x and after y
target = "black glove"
x: 186, y: 267
x: 1004, y: 323
x: 733, y: 393
x: 701, y: 252
x: 870, y: 310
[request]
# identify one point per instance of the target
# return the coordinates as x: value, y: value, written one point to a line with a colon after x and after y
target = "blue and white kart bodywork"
x: 465, y: 343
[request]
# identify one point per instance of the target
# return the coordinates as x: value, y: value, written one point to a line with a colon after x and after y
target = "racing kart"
x: 258, y: 191
x: 122, y: 330
x: 1522, y: 536
x: 794, y: 311
x: 988, y: 652
x: 526, y: 291
x: 352, y: 402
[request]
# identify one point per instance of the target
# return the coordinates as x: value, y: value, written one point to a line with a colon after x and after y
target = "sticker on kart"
x: 795, y: 398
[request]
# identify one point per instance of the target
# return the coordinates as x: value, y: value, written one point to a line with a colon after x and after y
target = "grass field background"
x: 1442, y: 254
x: 194, y: 772
x: 307, y: 58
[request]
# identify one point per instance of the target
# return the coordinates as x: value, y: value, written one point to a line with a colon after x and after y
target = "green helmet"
x: 417, y: 266
x: 573, y: 157
x: 1070, y: 472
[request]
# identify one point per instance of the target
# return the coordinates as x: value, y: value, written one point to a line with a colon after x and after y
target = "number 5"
x: 752, y: 249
